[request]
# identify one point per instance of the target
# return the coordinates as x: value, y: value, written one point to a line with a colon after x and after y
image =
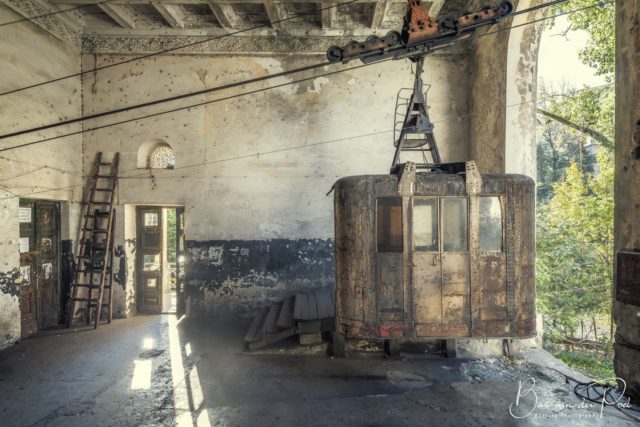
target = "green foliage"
x: 171, y: 235
x: 599, y: 22
x: 559, y: 144
x: 574, y: 245
x: 575, y: 193
x: 591, y: 365
x: 589, y: 107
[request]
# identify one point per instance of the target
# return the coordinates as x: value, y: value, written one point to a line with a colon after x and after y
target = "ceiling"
x: 121, y: 26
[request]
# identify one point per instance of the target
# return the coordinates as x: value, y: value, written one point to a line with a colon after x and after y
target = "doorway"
x: 40, y: 294
x: 160, y: 259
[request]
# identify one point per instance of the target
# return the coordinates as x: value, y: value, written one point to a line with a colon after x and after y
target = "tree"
x: 575, y: 238
x: 558, y: 144
x: 171, y: 235
x: 599, y: 22
x: 575, y: 215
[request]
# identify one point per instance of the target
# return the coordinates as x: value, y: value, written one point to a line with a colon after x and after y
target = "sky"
x: 558, y: 59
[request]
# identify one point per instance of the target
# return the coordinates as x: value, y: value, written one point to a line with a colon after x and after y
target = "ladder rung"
x: 89, y: 300
x: 104, y: 163
x: 98, y: 215
x: 103, y: 189
x: 95, y: 202
x: 92, y: 270
x: 104, y: 176
x: 104, y: 304
x: 95, y: 230
x: 80, y: 285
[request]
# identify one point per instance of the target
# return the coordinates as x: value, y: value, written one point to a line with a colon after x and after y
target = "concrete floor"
x: 156, y: 370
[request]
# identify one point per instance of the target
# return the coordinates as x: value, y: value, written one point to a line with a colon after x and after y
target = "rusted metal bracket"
x: 421, y: 34
x: 473, y: 178
x: 406, y: 179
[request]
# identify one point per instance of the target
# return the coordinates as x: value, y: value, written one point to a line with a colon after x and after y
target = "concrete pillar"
x: 627, y: 186
x: 521, y: 91
x: 504, y: 84
x: 488, y: 86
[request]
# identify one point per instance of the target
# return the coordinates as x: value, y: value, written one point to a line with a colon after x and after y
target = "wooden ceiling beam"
x: 119, y: 14
x: 328, y: 15
x: 273, y: 13
x: 381, y: 10
x: 224, y: 14
x: 172, y: 13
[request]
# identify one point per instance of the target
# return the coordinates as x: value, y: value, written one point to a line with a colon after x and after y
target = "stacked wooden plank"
x: 306, y: 314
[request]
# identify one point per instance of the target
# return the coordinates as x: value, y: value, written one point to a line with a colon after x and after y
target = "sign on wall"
x: 24, y: 245
x: 24, y: 215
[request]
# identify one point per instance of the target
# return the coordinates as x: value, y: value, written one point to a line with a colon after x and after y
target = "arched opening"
x: 575, y: 246
x: 156, y: 154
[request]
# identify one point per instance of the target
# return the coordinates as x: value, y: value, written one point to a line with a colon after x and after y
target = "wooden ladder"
x: 96, y: 250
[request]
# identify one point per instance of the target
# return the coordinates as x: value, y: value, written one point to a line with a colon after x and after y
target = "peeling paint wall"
x: 255, y: 170
x: 50, y: 170
x: 238, y: 276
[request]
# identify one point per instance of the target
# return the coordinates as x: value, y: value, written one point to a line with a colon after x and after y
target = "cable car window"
x: 425, y: 225
x: 490, y: 224
x: 389, y: 224
x: 454, y: 224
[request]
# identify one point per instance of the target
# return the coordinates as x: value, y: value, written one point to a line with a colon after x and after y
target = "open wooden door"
x: 180, y: 262
x: 149, y: 259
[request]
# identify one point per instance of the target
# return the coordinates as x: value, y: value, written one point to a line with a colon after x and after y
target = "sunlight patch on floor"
x: 141, y: 379
x: 187, y: 390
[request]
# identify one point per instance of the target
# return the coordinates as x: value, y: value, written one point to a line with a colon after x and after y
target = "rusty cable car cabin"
x: 430, y: 256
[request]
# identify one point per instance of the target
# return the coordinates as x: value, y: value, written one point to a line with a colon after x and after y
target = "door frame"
x: 180, y: 238
x: 139, y: 261
x: 34, y: 264
x: 138, y: 257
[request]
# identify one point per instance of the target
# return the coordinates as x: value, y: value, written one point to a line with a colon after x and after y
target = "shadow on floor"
x: 160, y: 370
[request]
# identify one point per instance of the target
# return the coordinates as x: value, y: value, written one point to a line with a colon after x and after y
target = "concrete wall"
x: 252, y: 172
x: 50, y: 170
x: 627, y: 185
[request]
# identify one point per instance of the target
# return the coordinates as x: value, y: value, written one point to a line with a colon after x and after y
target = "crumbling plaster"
x: 258, y: 167
x: 50, y: 170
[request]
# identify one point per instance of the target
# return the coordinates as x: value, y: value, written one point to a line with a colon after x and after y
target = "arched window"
x: 162, y: 157
x: 156, y: 154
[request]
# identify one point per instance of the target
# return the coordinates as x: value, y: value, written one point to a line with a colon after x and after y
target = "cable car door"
x: 440, y: 262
